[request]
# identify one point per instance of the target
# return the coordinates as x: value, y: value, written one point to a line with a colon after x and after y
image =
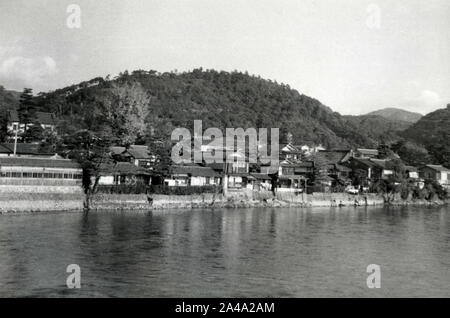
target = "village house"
x: 293, y: 177
x: 39, y: 171
x: 364, y: 153
x: 333, y: 161
x: 138, y: 155
x: 123, y: 173
x: 192, y: 175
x: 438, y: 173
x: 46, y: 120
x: 411, y: 172
x: 365, y: 169
x: 261, y: 182
x: 290, y: 153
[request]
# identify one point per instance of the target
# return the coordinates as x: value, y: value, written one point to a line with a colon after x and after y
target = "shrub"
x: 183, y: 190
x: 138, y: 188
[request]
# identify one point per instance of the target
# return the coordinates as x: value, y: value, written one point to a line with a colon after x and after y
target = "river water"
x: 319, y: 252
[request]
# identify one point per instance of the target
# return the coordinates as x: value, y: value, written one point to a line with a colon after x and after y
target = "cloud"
x: 424, y: 102
x: 18, y: 71
x: 430, y: 98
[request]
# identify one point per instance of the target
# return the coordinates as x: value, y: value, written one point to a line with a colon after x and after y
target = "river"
x: 292, y: 252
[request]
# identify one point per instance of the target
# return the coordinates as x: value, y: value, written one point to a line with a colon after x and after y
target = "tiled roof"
x: 364, y: 151
x: 379, y: 162
x: 139, y: 152
x: 38, y: 162
x: 42, y: 117
x: 261, y: 176
x: 332, y: 156
x: 196, y: 171
x: 117, y: 150
x: 122, y: 168
x: 366, y: 162
x: 22, y: 149
x: 438, y: 168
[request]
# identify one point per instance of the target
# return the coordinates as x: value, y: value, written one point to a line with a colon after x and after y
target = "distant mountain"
x: 378, y: 128
x: 8, y: 99
x: 397, y: 114
x: 433, y: 131
x: 219, y: 99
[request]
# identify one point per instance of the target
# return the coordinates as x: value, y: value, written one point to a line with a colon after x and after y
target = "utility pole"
x: 15, y: 141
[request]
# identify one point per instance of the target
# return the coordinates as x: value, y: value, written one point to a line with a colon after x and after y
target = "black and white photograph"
x: 245, y: 150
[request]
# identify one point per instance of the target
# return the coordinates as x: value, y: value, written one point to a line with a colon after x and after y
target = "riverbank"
x: 40, y: 199
x: 249, y: 199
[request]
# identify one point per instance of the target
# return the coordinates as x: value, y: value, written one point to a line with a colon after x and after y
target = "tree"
x: 27, y: 107
x: 34, y: 133
x: 91, y: 151
x: 126, y: 110
x: 320, y: 174
x: 3, y: 125
x: 412, y: 153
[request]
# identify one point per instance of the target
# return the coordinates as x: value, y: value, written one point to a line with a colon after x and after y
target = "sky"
x: 354, y: 56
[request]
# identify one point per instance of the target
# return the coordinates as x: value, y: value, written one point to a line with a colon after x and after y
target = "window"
x: 208, y: 180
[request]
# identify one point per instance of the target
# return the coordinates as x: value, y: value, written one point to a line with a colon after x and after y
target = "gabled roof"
x: 45, y: 118
x: 38, y: 162
x: 194, y: 170
x: 332, y: 156
x: 261, y: 176
x: 117, y: 150
x: 290, y: 149
x: 365, y: 151
x: 342, y: 168
x: 438, y: 168
x: 122, y: 168
x: 379, y: 162
x: 42, y: 117
x: 139, y: 152
x: 366, y: 162
x: 23, y: 149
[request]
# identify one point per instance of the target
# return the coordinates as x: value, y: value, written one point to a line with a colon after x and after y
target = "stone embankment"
x: 70, y: 198
x: 40, y: 198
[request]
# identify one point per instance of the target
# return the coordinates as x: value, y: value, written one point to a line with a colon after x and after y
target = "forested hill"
x: 219, y: 99
x: 397, y: 114
x: 8, y: 99
x: 379, y: 128
x: 433, y: 131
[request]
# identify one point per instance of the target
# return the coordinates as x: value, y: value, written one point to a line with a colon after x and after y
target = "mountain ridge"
x: 394, y: 113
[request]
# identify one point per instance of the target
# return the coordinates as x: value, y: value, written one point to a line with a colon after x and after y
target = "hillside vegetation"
x: 146, y: 105
x: 397, y: 114
x: 219, y: 99
x: 433, y: 131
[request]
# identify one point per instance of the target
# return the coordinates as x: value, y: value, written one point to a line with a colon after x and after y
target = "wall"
x: 40, y: 198
x: 119, y: 202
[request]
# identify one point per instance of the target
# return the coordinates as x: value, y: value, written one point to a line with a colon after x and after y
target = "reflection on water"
x: 228, y: 253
